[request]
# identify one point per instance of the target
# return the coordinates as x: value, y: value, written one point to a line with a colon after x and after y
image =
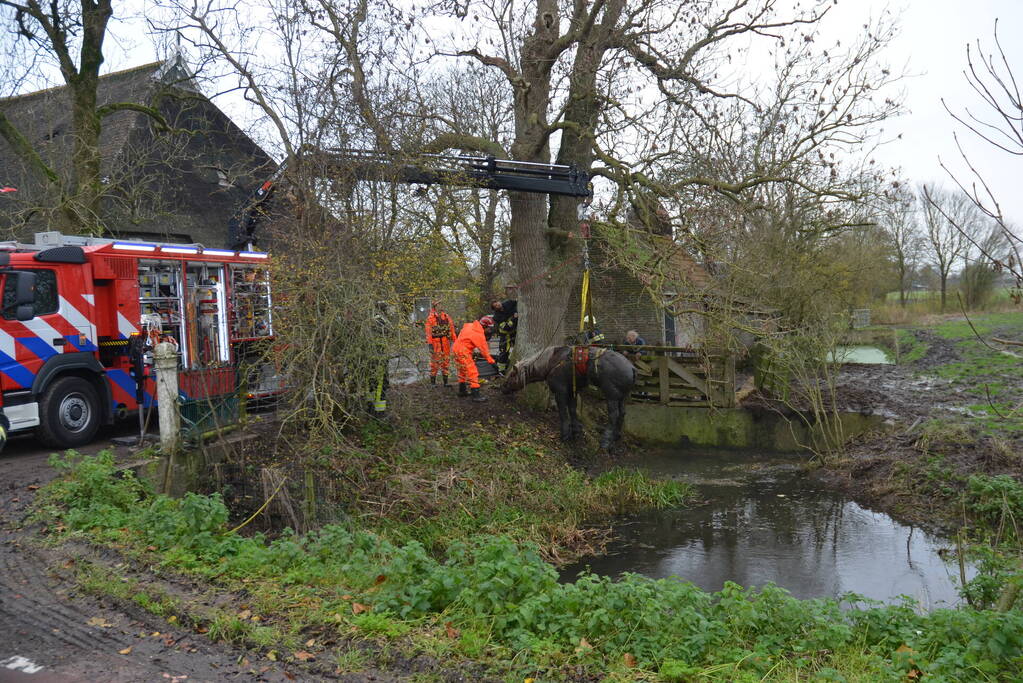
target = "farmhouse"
x: 181, y: 186
x: 624, y: 298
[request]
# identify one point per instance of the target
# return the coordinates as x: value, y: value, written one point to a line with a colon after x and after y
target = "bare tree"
x: 999, y: 123
x: 467, y: 103
x: 899, y: 218
x: 951, y: 222
x: 627, y: 88
x: 69, y: 36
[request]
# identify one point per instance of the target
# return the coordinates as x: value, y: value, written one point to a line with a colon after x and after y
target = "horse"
x: 567, y: 369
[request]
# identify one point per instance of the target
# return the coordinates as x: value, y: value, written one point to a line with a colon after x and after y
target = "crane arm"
x: 420, y: 169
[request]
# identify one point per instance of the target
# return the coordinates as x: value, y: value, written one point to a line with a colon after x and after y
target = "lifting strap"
x: 584, y: 296
x: 584, y: 300
x: 580, y: 358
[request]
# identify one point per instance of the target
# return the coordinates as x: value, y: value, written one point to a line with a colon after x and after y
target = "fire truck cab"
x: 81, y: 314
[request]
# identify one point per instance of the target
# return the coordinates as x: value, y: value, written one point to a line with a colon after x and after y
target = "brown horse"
x: 566, y: 370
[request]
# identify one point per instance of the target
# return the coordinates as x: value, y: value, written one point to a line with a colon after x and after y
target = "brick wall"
x: 619, y: 301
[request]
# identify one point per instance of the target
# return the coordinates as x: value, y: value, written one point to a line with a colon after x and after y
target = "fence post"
x: 165, y: 356
x: 662, y: 373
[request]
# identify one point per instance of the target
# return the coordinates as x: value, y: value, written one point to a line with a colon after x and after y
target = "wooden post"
x: 662, y: 368
x: 165, y: 357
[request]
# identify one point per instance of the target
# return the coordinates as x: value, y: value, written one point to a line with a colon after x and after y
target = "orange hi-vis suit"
x: 440, y: 335
x: 470, y: 338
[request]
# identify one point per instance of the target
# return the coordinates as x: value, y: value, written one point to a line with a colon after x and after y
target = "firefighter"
x: 506, y: 320
x: 440, y: 335
x: 380, y: 382
x: 592, y: 333
x: 473, y: 337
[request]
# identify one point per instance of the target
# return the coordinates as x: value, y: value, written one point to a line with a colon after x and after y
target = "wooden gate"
x: 676, y: 376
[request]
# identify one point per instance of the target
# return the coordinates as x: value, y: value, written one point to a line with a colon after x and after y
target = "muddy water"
x: 867, y: 355
x: 763, y: 521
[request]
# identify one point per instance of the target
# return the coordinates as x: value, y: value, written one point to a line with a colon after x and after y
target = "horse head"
x: 514, y: 380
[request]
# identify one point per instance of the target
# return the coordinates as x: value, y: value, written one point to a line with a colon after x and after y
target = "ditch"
x: 763, y: 520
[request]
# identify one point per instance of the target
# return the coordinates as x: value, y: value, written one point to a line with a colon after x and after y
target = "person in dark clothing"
x: 632, y: 338
x: 506, y: 322
x: 591, y: 334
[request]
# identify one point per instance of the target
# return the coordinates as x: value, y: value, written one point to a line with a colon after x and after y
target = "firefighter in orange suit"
x: 472, y: 337
x: 440, y: 335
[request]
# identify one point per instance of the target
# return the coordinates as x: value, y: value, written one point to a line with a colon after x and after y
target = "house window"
x: 669, y: 328
x: 46, y: 295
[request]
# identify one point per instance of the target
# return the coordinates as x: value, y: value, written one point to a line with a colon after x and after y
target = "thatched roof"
x: 171, y: 186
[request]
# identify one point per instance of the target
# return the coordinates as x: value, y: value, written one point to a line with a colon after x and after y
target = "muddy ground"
x: 52, y: 631
x: 929, y: 434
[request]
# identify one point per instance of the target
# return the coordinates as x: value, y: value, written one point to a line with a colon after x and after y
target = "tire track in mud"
x: 29, y: 604
x: 80, y: 638
x: 44, y: 619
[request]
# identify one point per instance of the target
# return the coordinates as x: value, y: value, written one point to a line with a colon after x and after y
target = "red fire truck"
x: 81, y: 314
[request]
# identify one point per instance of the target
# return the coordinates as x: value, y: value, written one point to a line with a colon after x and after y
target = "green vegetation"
x: 492, y: 599
x: 909, y: 349
x: 986, y: 373
x: 437, y: 481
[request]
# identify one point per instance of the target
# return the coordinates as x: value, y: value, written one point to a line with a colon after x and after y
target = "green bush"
x: 493, y: 586
x: 997, y: 502
x: 93, y: 492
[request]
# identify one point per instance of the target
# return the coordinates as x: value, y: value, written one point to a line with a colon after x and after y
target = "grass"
x: 909, y: 349
x: 924, y: 305
x: 448, y: 480
x: 498, y: 602
x: 986, y: 373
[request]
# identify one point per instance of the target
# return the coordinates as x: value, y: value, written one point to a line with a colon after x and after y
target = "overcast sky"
x: 931, y: 47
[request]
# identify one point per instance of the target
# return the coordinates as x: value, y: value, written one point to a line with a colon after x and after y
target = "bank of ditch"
x: 439, y: 470
x: 438, y: 557
x: 489, y: 601
x: 956, y: 404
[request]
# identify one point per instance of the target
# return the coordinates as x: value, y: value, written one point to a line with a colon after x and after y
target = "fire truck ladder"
x: 419, y: 169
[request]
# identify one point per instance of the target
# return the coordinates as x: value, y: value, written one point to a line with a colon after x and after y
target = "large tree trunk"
x: 582, y: 112
x: 82, y: 210
x: 544, y: 290
x: 542, y: 296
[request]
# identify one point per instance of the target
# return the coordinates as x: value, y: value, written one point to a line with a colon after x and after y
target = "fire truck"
x: 80, y: 316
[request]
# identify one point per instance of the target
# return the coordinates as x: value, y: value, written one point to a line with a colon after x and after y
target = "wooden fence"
x: 676, y: 376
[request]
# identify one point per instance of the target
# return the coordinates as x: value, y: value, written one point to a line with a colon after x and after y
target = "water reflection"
x: 870, y: 355
x: 766, y: 523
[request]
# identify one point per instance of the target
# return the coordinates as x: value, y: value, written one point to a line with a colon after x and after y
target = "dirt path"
x: 52, y: 632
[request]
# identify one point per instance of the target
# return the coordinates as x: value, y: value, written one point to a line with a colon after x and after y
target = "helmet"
x: 487, y: 321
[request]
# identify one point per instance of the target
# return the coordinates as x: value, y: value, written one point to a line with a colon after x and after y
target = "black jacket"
x: 508, y: 310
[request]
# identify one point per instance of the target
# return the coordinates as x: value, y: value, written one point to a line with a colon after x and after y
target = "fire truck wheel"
x: 68, y: 413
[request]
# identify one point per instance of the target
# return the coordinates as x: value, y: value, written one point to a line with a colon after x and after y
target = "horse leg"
x: 575, y: 425
x: 613, y: 411
x: 621, y: 419
x: 564, y: 400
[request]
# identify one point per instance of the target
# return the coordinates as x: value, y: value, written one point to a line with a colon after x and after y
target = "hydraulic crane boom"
x: 421, y: 169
